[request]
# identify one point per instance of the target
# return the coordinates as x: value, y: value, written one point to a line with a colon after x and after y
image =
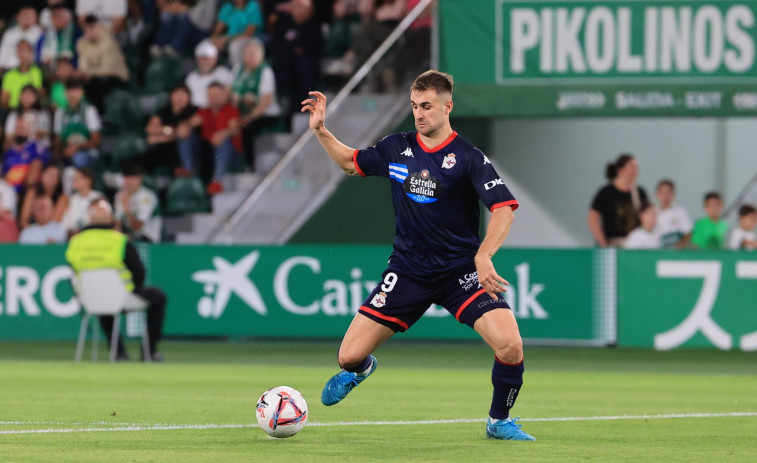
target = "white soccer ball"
x: 282, y: 412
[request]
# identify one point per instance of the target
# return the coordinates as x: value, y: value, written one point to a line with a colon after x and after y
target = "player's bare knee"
x: 349, y: 359
x: 510, y: 350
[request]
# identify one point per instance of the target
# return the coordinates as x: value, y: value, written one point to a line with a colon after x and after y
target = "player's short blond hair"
x: 440, y: 82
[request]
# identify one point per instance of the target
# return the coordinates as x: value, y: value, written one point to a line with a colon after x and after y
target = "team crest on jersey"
x: 379, y: 300
x: 449, y: 161
x: 408, y: 152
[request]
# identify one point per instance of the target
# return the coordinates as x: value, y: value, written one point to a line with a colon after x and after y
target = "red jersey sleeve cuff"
x: 357, y: 167
x: 512, y: 203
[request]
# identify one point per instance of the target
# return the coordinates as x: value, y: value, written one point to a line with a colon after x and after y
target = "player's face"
x: 430, y: 110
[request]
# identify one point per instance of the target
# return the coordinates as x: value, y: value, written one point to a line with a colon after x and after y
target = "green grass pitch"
x: 132, y: 412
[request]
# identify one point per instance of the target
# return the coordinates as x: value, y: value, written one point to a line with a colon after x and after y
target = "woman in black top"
x: 171, y: 138
x: 614, y: 210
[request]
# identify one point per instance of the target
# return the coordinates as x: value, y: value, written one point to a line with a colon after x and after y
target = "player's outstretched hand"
x: 317, y: 108
x: 492, y: 283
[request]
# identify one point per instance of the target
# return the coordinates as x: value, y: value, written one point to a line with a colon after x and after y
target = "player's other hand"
x: 316, y: 106
x: 492, y: 283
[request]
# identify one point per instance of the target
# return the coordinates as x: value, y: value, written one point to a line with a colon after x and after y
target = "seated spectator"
x: 46, y: 15
x: 111, y: 13
x: 644, y: 237
x: 614, y: 211
x: 710, y: 231
x: 8, y: 225
x: 379, y: 20
x: 346, y: 14
x: 171, y: 136
x: 25, y: 30
x: 30, y: 110
x: 99, y: 246
x: 23, y: 160
x: 75, y: 217
x: 8, y: 197
x: 64, y: 70
x: 296, y: 46
x: 743, y: 236
x: 27, y: 73
x: 673, y: 222
x: 220, y: 128
x: 238, y: 22
x: 101, y: 62
x: 175, y: 30
x: 50, y: 186
x: 59, y: 38
x: 137, y: 210
x: 44, y: 230
x: 77, y: 128
x: 206, y: 72
x: 254, y: 94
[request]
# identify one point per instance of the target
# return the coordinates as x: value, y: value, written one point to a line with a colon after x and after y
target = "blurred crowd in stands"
x: 100, y: 98
x: 623, y: 215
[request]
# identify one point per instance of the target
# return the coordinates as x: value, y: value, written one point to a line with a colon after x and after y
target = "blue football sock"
x: 507, y: 380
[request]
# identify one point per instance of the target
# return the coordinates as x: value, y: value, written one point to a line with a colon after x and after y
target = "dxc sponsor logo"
x: 20, y: 286
x: 489, y: 185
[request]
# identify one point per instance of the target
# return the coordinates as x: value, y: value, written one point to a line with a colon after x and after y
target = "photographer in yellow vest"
x: 100, y: 246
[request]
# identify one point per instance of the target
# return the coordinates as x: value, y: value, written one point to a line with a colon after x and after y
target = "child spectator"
x: 743, y: 236
x: 27, y: 73
x: 238, y: 22
x: 254, y: 94
x: 75, y: 217
x: 644, y: 237
x: 137, y: 212
x: 26, y: 30
x: 710, y: 231
x: 673, y: 222
x: 44, y: 230
x: 23, y: 160
x: 59, y: 38
x: 30, y: 110
x: 171, y: 136
x: 101, y: 62
x: 111, y: 13
x: 50, y: 186
x: 220, y: 128
x: 207, y: 71
x: 77, y: 128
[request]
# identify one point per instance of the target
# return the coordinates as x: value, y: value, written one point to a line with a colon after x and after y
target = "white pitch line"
x: 177, y: 427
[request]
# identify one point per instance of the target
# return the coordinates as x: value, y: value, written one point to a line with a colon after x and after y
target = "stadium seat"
x: 123, y: 113
x: 162, y: 75
x: 103, y: 292
x: 127, y: 147
x: 186, y: 196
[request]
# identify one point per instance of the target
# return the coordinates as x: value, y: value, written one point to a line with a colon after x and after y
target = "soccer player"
x: 436, y: 179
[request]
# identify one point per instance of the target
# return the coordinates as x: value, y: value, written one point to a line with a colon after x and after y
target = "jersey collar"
x: 438, y: 147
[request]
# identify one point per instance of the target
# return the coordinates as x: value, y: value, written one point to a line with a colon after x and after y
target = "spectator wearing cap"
x: 44, y: 230
x: 101, y: 62
x: 23, y: 160
x: 207, y: 72
x: 30, y: 110
x: 26, y: 29
x: 111, y: 13
x: 137, y: 210
x: 77, y: 128
x: 59, y: 38
x: 238, y: 22
x: 75, y: 217
x: 220, y: 128
x: 27, y: 73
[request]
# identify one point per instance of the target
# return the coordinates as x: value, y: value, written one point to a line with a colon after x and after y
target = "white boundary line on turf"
x: 178, y: 427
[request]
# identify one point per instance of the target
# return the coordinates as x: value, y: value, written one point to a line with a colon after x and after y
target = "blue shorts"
x: 400, y: 300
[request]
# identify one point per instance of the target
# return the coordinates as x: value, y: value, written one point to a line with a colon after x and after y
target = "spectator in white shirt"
x: 673, y: 222
x: 110, y: 13
x: 644, y: 237
x: 26, y: 29
x: 743, y: 236
x: 44, y: 230
x: 8, y: 198
x: 76, y: 216
x: 137, y: 211
x: 206, y: 73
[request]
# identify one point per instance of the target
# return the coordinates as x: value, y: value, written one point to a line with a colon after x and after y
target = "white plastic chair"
x: 103, y: 292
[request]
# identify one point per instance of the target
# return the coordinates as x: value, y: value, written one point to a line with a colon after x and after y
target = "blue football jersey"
x: 435, y: 193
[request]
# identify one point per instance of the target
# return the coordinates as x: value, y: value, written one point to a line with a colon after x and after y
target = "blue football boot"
x: 506, y: 430
x: 342, y: 383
